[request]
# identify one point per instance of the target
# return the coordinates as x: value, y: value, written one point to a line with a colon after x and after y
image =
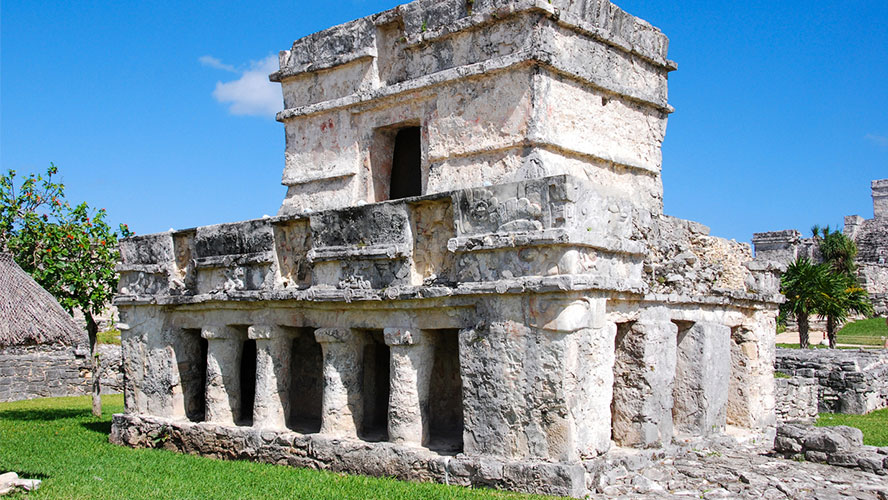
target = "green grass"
x: 872, y: 331
x: 58, y: 441
x: 874, y: 425
x: 111, y: 336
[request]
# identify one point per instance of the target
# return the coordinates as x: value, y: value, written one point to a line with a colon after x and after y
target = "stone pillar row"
x: 411, y: 355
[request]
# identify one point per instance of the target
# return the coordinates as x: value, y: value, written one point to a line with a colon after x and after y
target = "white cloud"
x: 878, y: 140
x: 213, y: 62
x: 252, y: 93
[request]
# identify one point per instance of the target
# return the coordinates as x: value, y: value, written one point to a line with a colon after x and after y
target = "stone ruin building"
x: 870, y: 235
x: 471, y: 279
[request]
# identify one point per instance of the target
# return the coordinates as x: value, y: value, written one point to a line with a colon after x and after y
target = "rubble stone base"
x: 317, y: 451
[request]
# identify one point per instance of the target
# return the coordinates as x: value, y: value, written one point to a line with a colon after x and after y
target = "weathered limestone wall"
x: 797, y: 399
x: 850, y: 381
x: 500, y: 324
x: 43, y: 371
x: 871, y: 236
x: 659, y: 391
x: 880, y: 199
x: 320, y: 451
x: 685, y: 259
x: 539, y: 288
x: 495, y: 90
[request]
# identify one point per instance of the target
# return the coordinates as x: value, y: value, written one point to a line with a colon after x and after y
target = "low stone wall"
x: 315, y: 451
x: 44, y: 371
x: 796, y: 399
x: 840, y: 446
x: 111, y: 362
x: 850, y: 381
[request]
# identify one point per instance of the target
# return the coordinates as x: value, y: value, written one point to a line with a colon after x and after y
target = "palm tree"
x: 803, y: 284
x: 838, y: 251
x: 842, y: 296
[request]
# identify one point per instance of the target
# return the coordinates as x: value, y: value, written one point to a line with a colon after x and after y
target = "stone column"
x: 272, y: 404
x: 702, y: 378
x: 751, y: 395
x: 224, y: 346
x: 341, y: 411
x: 644, y: 370
x: 412, y: 357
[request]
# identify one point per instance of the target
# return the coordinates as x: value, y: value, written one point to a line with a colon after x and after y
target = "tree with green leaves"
x: 843, y: 294
x: 837, y: 250
x: 841, y: 297
x: 803, y: 284
x: 69, y: 251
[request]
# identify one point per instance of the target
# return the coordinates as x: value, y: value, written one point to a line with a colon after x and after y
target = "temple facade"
x: 471, y: 279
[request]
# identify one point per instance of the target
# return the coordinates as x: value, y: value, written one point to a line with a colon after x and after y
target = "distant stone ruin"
x: 870, y: 235
x: 471, y: 279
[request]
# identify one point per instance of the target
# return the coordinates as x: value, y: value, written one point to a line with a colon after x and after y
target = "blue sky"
x: 781, y: 106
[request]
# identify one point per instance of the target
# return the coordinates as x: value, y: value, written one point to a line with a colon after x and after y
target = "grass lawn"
x: 58, y: 441
x: 874, y: 425
x: 111, y: 336
x: 872, y: 331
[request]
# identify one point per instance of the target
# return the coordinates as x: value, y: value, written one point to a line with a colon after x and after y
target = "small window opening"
x: 406, y: 179
x: 247, y: 382
x: 306, y: 383
x: 376, y: 387
x: 192, y: 363
x: 445, y: 400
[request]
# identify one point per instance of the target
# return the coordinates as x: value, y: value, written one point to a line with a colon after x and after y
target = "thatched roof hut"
x: 29, y: 315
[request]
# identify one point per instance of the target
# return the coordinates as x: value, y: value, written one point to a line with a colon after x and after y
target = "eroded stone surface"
x: 849, y: 381
x: 48, y: 371
x: 521, y: 303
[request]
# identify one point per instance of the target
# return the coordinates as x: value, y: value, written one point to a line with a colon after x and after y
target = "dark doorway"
x: 306, y: 383
x: 406, y: 178
x: 445, y: 394
x: 247, y: 382
x: 191, y: 358
x: 376, y: 387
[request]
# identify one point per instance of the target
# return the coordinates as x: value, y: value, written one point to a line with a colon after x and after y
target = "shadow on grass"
x: 43, y: 414
x: 103, y: 428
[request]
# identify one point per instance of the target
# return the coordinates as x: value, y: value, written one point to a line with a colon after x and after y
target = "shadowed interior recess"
x: 406, y: 164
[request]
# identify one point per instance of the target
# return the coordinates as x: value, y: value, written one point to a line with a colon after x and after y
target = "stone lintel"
x: 220, y: 332
x: 403, y: 336
x: 258, y: 332
x: 566, y: 315
x: 333, y: 335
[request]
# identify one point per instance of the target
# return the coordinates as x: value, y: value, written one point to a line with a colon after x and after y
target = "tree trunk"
x: 831, y: 324
x: 802, y: 320
x: 93, y: 330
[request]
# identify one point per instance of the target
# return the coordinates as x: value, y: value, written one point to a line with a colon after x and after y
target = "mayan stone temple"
x: 471, y: 279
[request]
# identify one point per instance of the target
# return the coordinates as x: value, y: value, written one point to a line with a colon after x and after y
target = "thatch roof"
x: 29, y: 314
